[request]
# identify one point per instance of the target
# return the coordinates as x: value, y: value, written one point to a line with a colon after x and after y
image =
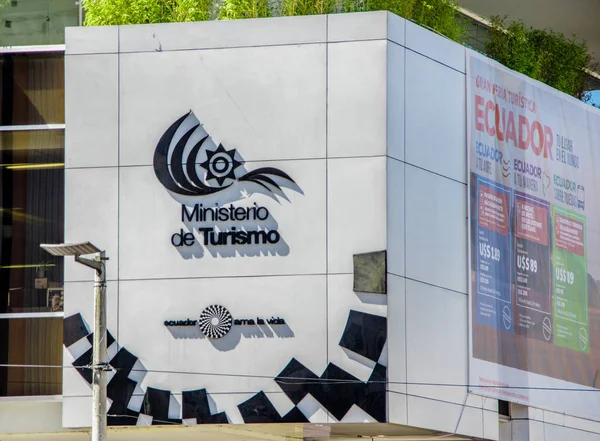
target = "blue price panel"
x: 493, y: 263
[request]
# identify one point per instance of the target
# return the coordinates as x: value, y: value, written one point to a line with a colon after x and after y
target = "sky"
x: 596, y: 97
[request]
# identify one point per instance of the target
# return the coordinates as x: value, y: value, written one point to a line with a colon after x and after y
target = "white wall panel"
x: 436, y: 342
x: 436, y: 230
x: 557, y: 433
x: 491, y: 424
x: 396, y: 349
x: 356, y: 195
x: 16, y: 417
x: 395, y: 217
x: 91, y: 214
x: 246, y: 350
x: 434, y: 46
x: 77, y: 412
x: 267, y: 102
x: 223, y: 34
x: 395, y: 100
x: 91, y: 110
x: 92, y: 40
x: 364, y: 26
x: 396, y: 29
x: 435, y: 117
x: 447, y: 417
x: 149, y: 216
x: 594, y: 121
x: 356, y: 104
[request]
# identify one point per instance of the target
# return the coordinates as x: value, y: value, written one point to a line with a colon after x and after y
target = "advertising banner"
x: 534, y: 169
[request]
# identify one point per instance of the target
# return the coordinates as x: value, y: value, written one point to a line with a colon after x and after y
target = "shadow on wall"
x: 204, y: 178
x: 249, y: 231
x: 234, y: 336
x: 210, y: 236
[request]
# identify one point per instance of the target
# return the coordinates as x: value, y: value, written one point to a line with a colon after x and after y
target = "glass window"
x: 32, y: 89
x: 31, y: 206
x: 31, y: 213
x: 34, y: 22
x: 31, y: 342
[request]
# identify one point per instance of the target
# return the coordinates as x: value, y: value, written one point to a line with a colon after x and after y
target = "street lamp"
x: 99, y: 362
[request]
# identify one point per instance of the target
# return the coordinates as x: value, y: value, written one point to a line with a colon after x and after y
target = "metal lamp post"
x: 99, y: 361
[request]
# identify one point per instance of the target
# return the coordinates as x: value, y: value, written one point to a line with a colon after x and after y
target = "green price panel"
x: 569, y: 276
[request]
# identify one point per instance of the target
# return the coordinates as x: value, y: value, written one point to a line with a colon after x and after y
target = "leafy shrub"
x: 305, y: 7
x: 439, y: 15
x: 547, y: 56
x: 235, y: 9
x: 120, y: 12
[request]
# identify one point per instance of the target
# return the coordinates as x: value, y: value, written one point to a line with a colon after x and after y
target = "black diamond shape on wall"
x: 259, y: 409
x: 123, y: 361
x: 374, y: 400
x: 294, y: 416
x: 74, y: 329
x: 156, y: 404
x: 119, y: 390
x: 365, y: 334
x: 195, y: 405
x: 339, y: 390
x: 126, y: 418
x: 296, y: 380
x: 109, y: 339
x: 83, y: 365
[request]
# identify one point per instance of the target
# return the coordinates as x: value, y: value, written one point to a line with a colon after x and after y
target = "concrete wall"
x: 298, y: 94
x: 427, y: 302
x: 427, y: 240
x: 367, y: 113
x: 30, y: 415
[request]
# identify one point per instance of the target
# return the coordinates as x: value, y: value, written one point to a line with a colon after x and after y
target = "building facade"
x: 309, y: 266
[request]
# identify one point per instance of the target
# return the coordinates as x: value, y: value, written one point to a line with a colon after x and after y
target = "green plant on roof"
x: 544, y: 55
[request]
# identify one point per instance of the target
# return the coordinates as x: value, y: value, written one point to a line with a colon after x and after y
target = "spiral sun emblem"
x: 220, y: 164
x: 215, y: 321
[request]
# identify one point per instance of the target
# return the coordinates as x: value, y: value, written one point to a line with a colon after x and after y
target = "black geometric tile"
x: 123, y: 361
x: 294, y: 416
x: 217, y: 418
x: 83, y: 365
x: 374, y: 400
x: 156, y: 404
x: 365, y: 334
x: 195, y: 405
x: 74, y: 329
x: 119, y: 390
x: 125, y: 418
x: 296, y: 380
x: 339, y: 391
x: 109, y: 339
x: 259, y: 409
x: 335, y: 389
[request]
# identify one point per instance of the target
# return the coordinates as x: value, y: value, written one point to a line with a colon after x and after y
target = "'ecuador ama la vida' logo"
x: 206, y: 179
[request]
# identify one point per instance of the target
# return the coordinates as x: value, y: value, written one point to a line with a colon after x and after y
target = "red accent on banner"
x: 493, y: 210
x: 532, y: 222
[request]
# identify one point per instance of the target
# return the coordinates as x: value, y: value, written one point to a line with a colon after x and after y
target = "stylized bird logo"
x: 178, y: 162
